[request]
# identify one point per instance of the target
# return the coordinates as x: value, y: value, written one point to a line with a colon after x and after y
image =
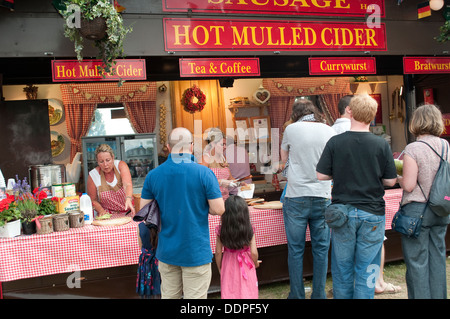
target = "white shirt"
x: 95, y: 175
x: 305, y: 142
x: 341, y: 125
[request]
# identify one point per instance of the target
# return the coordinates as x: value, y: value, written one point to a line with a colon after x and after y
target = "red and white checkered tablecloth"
x: 269, y: 223
x: 93, y: 247
x: 88, y: 247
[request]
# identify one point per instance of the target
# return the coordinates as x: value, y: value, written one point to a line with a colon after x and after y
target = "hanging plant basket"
x: 94, y: 29
x: 101, y: 23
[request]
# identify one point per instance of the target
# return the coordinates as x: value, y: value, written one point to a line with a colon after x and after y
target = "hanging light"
x: 436, y: 5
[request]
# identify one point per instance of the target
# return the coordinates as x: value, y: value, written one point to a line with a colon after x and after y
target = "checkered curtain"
x: 280, y: 111
x: 78, y: 121
x: 142, y: 115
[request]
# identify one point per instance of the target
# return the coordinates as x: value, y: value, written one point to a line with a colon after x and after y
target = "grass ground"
x: 393, y: 273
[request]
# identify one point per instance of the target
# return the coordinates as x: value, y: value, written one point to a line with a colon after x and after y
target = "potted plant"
x: 103, y: 14
x: 9, y: 217
x: 26, y: 205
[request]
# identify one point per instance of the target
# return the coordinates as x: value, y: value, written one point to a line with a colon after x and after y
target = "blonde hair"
x: 104, y: 148
x: 427, y: 119
x: 363, y: 107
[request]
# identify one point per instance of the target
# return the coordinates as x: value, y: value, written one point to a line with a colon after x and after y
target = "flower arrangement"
x: 361, y: 78
x: 31, y: 204
x: 188, y: 99
x: 110, y: 46
x: 8, y: 210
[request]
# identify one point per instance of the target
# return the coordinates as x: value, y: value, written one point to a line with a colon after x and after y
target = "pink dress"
x: 238, y: 274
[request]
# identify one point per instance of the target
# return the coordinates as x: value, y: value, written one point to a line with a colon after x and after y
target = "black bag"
x: 407, y: 225
x: 336, y: 215
x: 439, y: 199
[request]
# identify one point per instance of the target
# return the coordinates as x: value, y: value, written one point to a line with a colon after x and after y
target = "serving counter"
x: 108, y: 247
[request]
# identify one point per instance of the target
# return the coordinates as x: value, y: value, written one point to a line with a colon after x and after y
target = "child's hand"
x: 258, y: 263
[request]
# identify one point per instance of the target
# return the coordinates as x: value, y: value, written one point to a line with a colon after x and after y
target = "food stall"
x: 102, y: 260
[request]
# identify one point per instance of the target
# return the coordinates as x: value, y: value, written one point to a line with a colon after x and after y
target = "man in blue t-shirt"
x: 186, y: 193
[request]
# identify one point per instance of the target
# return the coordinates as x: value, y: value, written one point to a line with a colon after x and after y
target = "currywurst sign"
x: 182, y: 34
x: 349, y: 8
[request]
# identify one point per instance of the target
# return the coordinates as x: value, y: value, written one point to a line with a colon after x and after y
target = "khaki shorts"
x: 186, y: 282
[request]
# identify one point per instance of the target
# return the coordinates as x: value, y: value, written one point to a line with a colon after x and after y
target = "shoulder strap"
x: 441, y: 156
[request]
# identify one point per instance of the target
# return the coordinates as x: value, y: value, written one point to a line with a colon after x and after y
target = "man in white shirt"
x: 342, y: 124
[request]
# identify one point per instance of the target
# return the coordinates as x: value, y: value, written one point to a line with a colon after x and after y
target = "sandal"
x: 390, y: 289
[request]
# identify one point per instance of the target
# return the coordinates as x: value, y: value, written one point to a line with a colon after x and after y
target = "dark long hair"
x: 236, y: 231
x: 153, y: 234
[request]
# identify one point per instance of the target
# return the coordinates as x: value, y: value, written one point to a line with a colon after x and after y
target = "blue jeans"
x: 298, y: 212
x: 356, y: 255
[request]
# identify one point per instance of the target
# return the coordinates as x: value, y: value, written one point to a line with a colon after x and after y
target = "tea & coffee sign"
x: 213, y: 67
x: 348, y: 8
x: 342, y: 66
x: 182, y: 34
x: 88, y: 70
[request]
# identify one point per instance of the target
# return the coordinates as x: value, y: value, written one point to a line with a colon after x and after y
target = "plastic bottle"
x: 86, y: 208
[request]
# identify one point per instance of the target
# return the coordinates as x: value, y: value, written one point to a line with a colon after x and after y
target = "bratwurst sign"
x: 350, y: 8
x: 182, y: 34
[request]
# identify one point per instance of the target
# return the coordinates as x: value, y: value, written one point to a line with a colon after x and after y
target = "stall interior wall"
x: 241, y: 88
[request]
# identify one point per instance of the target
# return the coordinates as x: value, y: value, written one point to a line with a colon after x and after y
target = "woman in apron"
x: 213, y: 158
x: 109, y: 184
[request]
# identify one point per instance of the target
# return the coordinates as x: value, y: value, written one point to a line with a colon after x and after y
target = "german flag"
x: 423, y: 10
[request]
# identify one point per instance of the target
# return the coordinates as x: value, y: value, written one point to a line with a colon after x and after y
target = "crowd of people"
x: 338, y: 171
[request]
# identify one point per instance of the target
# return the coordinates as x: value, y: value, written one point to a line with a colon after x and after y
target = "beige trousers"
x: 186, y: 282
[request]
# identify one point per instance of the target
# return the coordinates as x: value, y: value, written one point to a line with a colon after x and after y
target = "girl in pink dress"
x: 236, y: 254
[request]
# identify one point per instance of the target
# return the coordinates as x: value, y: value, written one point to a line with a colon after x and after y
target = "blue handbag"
x: 407, y: 225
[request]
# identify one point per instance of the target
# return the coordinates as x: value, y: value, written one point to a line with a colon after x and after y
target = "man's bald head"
x: 180, y: 140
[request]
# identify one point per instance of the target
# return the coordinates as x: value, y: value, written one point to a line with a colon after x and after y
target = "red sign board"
x: 349, y: 8
x: 87, y: 70
x: 342, y: 66
x: 213, y: 67
x: 446, y: 118
x: 181, y: 34
x: 426, y: 65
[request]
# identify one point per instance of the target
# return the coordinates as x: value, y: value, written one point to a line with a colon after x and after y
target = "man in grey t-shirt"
x: 306, y: 197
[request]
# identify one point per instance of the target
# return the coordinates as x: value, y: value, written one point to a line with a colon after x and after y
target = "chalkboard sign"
x: 24, y: 136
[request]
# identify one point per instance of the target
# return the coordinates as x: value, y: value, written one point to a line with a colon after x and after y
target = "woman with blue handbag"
x: 424, y: 255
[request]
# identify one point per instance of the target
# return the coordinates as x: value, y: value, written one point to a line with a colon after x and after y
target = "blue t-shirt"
x: 182, y: 189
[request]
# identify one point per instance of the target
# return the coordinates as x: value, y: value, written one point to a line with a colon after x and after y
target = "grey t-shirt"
x: 428, y: 164
x: 305, y: 142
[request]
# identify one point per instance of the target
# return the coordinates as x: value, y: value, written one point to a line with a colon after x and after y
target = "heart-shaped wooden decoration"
x: 131, y: 94
x: 75, y: 90
x: 261, y: 95
x: 103, y: 98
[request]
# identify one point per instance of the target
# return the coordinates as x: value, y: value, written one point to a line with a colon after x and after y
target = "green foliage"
x: 444, y: 35
x: 9, y: 215
x: 47, y: 207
